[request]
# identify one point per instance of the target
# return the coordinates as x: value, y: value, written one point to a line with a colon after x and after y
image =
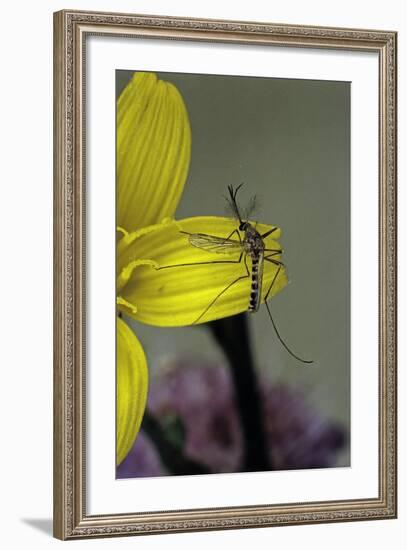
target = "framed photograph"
x: 225, y: 274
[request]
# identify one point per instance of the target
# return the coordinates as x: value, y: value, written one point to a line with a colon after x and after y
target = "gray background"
x: 289, y: 141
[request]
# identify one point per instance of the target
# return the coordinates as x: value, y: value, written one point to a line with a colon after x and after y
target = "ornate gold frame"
x: 70, y: 518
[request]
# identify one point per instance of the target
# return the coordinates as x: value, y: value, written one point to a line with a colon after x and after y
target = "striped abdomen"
x: 256, y: 282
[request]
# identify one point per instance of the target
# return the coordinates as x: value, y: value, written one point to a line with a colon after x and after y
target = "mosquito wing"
x: 217, y: 245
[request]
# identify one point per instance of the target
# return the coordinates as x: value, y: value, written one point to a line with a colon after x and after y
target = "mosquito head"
x: 243, y: 226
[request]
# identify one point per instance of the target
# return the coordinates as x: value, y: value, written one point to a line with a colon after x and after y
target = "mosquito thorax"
x: 253, y: 242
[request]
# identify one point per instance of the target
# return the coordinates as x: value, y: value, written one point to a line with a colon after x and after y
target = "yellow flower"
x: 156, y: 283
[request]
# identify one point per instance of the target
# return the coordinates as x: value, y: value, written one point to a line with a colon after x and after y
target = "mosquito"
x: 251, y: 244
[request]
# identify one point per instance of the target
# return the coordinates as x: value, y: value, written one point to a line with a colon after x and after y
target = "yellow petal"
x: 178, y: 296
x: 153, y: 151
x: 126, y: 252
x: 132, y: 383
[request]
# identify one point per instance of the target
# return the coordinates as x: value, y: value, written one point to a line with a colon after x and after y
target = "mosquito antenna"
x: 232, y: 200
x: 252, y: 208
x: 282, y: 341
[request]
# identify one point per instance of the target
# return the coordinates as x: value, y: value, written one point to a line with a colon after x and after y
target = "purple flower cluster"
x: 200, y: 395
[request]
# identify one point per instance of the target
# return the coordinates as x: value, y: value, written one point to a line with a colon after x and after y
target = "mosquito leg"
x: 224, y: 290
x: 273, y: 323
x: 267, y: 233
x: 272, y: 283
x: 275, y: 262
x: 274, y: 250
x: 233, y: 232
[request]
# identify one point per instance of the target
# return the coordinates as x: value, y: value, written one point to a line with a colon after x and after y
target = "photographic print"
x: 225, y: 274
x: 233, y: 274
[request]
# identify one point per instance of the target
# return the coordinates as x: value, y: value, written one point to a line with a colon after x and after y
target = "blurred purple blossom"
x: 200, y: 395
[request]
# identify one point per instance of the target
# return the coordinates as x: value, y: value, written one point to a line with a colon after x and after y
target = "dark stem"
x: 170, y: 454
x: 232, y: 334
